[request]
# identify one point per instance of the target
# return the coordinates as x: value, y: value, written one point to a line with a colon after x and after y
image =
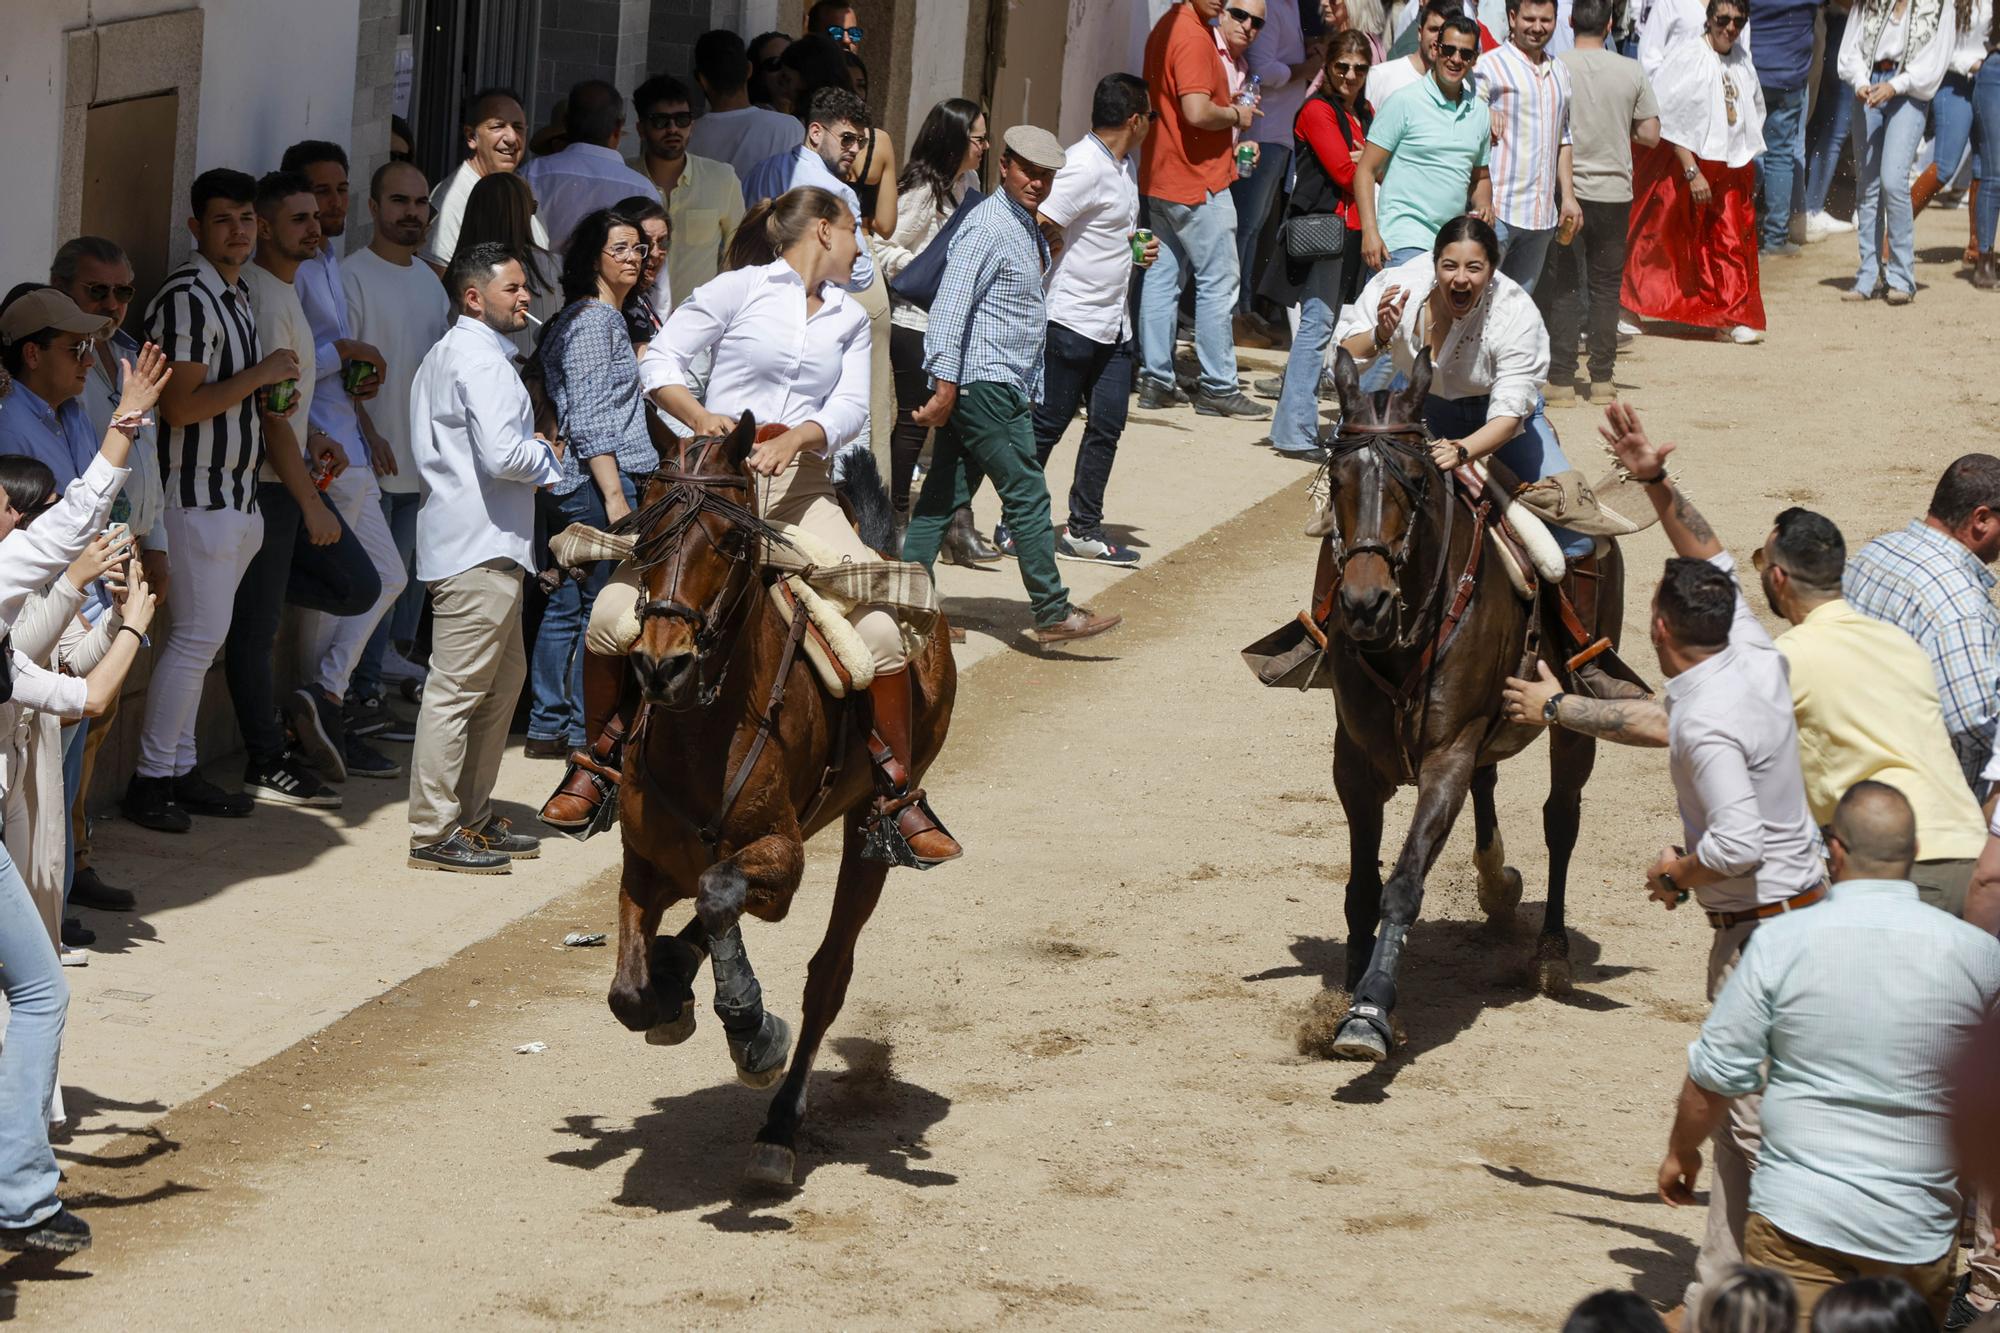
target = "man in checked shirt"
x: 984, y: 355
x: 1931, y: 580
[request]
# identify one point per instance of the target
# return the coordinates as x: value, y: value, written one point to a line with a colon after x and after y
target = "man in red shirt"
x: 1186, y: 167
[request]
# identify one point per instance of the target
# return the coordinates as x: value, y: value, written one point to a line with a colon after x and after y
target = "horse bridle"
x: 1391, y: 436
x: 660, y: 524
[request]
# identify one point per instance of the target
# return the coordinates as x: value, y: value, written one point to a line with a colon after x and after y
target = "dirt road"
x: 1065, y: 1090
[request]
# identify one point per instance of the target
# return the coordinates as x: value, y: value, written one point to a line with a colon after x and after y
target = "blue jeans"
x: 37, y: 1001
x: 1781, y: 167
x: 1197, y: 240
x: 1523, y: 251
x: 1076, y: 369
x: 1952, y: 127
x: 555, y: 669
x: 400, y: 625
x: 1533, y: 454
x: 1253, y: 196
x: 1986, y: 112
x: 1826, y: 136
x: 1296, y: 425
x: 1886, y: 147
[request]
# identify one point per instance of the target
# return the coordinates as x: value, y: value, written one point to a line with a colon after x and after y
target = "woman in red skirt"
x: 1691, y: 253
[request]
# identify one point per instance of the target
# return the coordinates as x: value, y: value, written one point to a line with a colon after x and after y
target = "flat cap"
x: 47, y: 308
x: 1035, y: 146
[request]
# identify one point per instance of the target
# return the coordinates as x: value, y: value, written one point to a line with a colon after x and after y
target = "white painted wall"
x: 937, y: 60
x: 273, y: 72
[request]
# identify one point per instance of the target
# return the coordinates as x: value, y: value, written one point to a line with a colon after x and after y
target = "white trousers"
x: 208, y: 551
x: 334, y: 643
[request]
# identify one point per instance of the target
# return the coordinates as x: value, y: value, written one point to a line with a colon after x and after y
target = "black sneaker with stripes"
x: 288, y: 782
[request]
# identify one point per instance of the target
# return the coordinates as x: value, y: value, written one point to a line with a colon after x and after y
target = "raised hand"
x: 143, y: 381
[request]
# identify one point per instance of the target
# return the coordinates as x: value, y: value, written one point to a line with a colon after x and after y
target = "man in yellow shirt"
x: 1866, y: 703
x: 704, y: 199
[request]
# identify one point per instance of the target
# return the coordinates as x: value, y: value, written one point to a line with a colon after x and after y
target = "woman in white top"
x: 1894, y: 55
x: 1489, y: 355
x: 944, y: 164
x: 1691, y: 247
x: 791, y: 348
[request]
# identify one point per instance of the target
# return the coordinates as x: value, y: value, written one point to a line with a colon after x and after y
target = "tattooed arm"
x: 1626, y: 721
x: 1683, y: 523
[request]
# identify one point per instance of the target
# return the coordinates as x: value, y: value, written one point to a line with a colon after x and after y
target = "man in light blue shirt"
x: 49, y: 346
x: 837, y: 125
x: 1847, y: 1017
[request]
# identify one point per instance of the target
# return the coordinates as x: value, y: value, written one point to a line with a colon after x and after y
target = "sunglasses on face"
x: 97, y: 291
x: 1246, y: 18
x: 852, y: 140
x: 1446, y: 51
x: 1732, y: 22
x: 660, y: 120
x: 1351, y: 67
x: 851, y: 34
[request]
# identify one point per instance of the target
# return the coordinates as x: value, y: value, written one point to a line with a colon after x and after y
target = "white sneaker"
x: 1742, y: 334
x: 74, y: 957
x: 1827, y: 225
x: 1627, y: 329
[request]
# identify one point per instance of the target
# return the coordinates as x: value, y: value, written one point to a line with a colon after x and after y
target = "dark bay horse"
x: 1424, y: 634
x: 739, y: 757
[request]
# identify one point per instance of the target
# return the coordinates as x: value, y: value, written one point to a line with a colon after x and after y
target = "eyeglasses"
x: 1351, y: 67
x: 851, y: 34
x: 1733, y: 24
x: 659, y: 120
x: 1246, y: 18
x: 628, y: 250
x: 1447, y: 51
x: 97, y: 291
x: 979, y: 140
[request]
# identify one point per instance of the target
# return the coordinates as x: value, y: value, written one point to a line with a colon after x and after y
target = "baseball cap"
x: 47, y: 308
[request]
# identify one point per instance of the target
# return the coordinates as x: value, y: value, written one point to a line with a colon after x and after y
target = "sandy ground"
x: 1065, y: 1090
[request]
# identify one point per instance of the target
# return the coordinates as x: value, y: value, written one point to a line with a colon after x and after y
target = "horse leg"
x: 1572, y: 755
x: 1499, y: 883
x: 1442, y: 782
x: 1362, y: 793
x: 758, y: 1040
x: 652, y: 990
x: 854, y: 899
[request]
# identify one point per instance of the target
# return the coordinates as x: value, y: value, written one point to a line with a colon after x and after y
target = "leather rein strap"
x: 711, y: 832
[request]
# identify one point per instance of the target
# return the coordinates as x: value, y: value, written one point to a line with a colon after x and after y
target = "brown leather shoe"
x: 1986, y: 273
x: 1080, y: 623
x: 891, y: 748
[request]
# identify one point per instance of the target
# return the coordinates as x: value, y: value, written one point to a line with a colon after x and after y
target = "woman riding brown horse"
x: 737, y: 758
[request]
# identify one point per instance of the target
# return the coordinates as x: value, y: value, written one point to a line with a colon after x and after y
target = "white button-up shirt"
x: 771, y: 359
x: 584, y: 177
x: 1500, y: 350
x: 472, y: 433
x: 1733, y: 749
x: 1095, y: 201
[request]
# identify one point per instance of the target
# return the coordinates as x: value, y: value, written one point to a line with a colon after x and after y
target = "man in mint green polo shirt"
x: 1427, y: 149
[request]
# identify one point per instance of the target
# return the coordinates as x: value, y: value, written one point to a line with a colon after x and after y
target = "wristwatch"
x: 1549, y: 708
x: 1680, y: 894
x: 1689, y: 173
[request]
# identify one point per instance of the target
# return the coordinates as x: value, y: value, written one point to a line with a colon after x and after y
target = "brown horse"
x: 739, y: 757
x: 1424, y: 634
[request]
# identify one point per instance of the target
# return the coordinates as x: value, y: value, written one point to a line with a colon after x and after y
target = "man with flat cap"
x: 984, y: 355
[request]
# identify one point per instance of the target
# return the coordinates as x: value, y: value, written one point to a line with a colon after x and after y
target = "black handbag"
x: 919, y: 281
x: 1312, y: 237
x: 1313, y: 228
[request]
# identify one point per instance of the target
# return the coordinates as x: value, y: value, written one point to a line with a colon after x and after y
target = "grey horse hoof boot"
x: 760, y: 1061
x: 1360, y: 1039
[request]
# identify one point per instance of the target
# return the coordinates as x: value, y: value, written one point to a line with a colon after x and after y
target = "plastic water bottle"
x: 1246, y: 156
x: 1253, y: 92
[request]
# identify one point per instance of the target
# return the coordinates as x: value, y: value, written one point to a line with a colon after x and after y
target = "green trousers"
x: 992, y: 434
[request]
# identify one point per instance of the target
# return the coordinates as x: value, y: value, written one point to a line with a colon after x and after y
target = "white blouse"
x: 771, y: 359
x: 1711, y: 104
x: 1500, y: 350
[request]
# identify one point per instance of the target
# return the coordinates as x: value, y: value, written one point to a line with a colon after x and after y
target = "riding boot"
x: 902, y: 526
x: 962, y: 543
x: 1986, y: 273
x: 903, y: 831
x: 1923, y: 188
x: 584, y: 804
x: 1971, y: 255
x: 1581, y: 579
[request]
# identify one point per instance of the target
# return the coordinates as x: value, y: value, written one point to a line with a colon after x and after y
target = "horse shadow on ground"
x: 1661, y: 1269
x: 689, y: 1152
x: 1453, y: 971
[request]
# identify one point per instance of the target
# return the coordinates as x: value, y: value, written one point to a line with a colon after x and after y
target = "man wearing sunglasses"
x: 1426, y: 154
x: 836, y: 18
x: 589, y: 174
x: 704, y: 200
x: 837, y: 125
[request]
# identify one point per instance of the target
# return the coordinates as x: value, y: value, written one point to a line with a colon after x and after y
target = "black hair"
x: 857, y: 73
x: 29, y: 484
x: 1460, y: 22
x: 1466, y: 227
x: 279, y: 185
x: 382, y: 173
x: 1698, y: 602
x: 232, y: 187
x: 472, y: 264
x: 721, y: 61
x: 1514, y: 6
x: 828, y: 106
x: 400, y: 129
x: 1741, y: 5
x: 637, y: 208
x: 660, y: 88
x: 820, y: 64
x: 596, y: 110
x: 1614, y: 1312
x: 823, y: 12
x: 501, y: 208
x: 586, y: 244
x: 310, y: 152
x: 1872, y: 1305
x: 940, y: 146
x: 62, y: 269
x: 1117, y: 99
x: 12, y: 359
x: 469, y: 109
x: 1810, y: 549
x: 1591, y: 16
x: 1443, y: 9
x: 1972, y: 480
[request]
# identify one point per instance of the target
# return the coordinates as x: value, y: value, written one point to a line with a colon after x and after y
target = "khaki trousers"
x: 1732, y: 1154
x: 881, y: 379
x: 477, y: 666
x: 1816, y: 1270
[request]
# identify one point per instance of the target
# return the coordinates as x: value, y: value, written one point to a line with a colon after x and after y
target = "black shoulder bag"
x: 1313, y: 228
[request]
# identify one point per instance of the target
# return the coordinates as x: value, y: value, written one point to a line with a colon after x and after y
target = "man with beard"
x: 396, y: 304
x: 350, y: 372
x: 494, y: 130
x: 704, y: 200
x: 837, y: 123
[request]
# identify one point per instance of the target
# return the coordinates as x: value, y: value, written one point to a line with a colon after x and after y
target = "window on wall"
x: 462, y: 46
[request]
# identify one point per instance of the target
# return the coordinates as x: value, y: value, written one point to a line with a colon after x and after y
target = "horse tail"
x: 859, y: 484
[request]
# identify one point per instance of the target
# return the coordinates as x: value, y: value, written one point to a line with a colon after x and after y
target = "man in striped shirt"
x: 1528, y: 92
x: 211, y: 443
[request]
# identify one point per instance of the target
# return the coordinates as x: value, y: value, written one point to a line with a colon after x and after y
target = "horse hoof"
x: 676, y: 1029
x: 1500, y: 895
x: 1552, y: 976
x: 760, y: 1062
x: 1357, y: 1040
x: 770, y: 1164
